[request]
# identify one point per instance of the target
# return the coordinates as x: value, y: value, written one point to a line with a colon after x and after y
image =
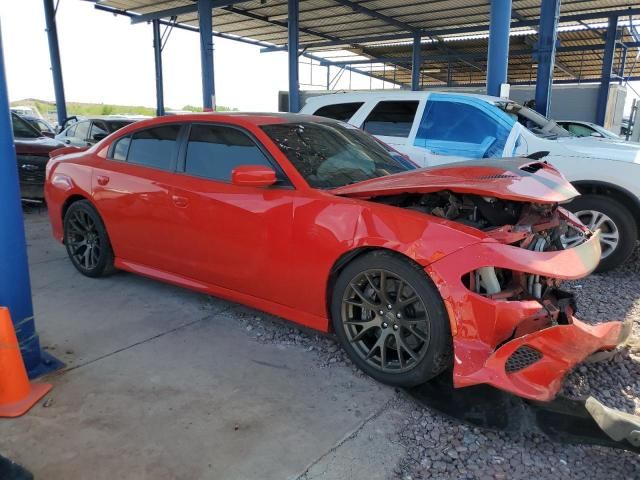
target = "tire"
x: 617, y: 220
x: 422, y: 326
x: 87, y: 241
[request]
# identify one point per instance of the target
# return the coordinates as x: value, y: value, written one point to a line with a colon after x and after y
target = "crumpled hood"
x: 518, y: 179
x: 603, y: 148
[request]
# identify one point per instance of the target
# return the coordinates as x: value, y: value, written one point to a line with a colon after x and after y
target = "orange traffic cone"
x: 17, y: 395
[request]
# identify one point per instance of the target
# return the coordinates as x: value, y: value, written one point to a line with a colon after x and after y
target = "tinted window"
x: 113, y: 125
x: 155, y: 147
x: 453, y: 128
x: 392, y: 119
x: 82, y: 130
x: 98, y: 128
x: 331, y: 154
x: 121, y: 149
x: 21, y: 129
x: 214, y: 151
x: 340, y: 111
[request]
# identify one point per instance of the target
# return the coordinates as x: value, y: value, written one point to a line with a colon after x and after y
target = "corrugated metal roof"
x: 325, y: 24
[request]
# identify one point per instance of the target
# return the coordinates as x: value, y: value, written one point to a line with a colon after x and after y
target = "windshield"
x: 331, y: 154
x: 537, y: 124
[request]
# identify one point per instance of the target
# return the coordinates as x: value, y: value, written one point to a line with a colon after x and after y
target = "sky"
x: 106, y: 59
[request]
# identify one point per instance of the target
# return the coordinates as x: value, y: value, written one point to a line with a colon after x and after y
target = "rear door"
x: 229, y: 235
x: 131, y: 189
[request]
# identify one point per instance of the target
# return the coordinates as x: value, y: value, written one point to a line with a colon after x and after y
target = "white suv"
x: 433, y: 128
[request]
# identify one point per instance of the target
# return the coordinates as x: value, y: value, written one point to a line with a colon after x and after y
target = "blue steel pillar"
x: 157, y: 53
x: 205, y: 11
x: 546, y: 53
x: 54, y: 53
x: 498, y: 56
x: 607, y: 65
x: 416, y: 62
x: 15, y: 287
x: 292, y: 49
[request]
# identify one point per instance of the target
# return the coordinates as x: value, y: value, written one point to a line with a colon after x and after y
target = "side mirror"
x: 99, y: 136
x: 596, y: 135
x: 253, y: 176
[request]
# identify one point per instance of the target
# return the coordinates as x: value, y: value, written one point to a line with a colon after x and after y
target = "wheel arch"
x: 621, y: 195
x: 76, y: 197
x: 344, y: 260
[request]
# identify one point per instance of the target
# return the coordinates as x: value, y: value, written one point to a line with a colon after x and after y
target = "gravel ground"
x: 439, y: 447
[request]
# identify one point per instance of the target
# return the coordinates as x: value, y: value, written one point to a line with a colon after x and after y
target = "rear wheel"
x: 86, y: 240
x: 390, y: 319
x: 618, y: 229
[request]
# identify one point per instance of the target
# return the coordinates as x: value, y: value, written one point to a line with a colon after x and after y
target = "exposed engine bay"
x: 539, y: 227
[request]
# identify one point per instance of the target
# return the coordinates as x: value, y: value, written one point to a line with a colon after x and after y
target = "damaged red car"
x: 415, y: 270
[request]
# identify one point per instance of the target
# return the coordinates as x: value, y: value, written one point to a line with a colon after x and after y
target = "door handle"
x: 180, y: 201
x: 102, y: 180
x: 67, y: 141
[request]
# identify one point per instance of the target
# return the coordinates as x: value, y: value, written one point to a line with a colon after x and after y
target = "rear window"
x: 339, y: 111
x: 155, y: 147
x: 391, y: 118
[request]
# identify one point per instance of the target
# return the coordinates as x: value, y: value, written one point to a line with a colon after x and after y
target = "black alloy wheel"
x: 87, y: 241
x: 391, y: 320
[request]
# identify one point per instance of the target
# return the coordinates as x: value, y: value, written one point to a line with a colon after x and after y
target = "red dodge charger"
x: 415, y: 270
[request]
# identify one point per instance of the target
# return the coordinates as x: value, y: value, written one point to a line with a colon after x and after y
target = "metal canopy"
x: 453, y: 33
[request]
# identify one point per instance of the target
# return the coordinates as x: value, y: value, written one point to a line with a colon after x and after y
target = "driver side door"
x: 223, y: 234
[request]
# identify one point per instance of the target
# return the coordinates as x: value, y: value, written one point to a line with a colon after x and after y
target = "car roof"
x: 345, y: 96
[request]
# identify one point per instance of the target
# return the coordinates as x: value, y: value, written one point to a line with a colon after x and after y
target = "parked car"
x: 32, y: 154
x: 44, y: 127
x: 26, y: 111
x: 587, y: 129
x: 84, y: 132
x: 435, y: 128
x: 410, y: 268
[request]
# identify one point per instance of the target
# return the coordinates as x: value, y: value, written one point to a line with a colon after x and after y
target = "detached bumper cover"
x: 486, y: 346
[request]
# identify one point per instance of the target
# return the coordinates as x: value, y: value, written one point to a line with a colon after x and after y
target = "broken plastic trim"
x: 562, y: 420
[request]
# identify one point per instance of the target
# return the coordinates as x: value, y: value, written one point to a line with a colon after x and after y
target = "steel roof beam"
x: 177, y: 11
x: 356, y: 7
x: 461, y: 30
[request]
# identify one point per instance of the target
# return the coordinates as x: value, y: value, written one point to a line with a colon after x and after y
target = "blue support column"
x: 15, y: 286
x: 416, y: 62
x: 498, y: 56
x: 54, y: 53
x: 205, y: 11
x: 546, y: 53
x: 292, y: 49
x: 157, y: 54
x: 607, y: 66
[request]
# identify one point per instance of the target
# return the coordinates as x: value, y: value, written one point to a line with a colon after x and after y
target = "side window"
x: 120, y: 149
x: 454, y: 128
x: 98, y: 130
x: 82, y: 130
x: 340, y: 111
x: 391, y: 119
x: 70, y: 132
x: 580, y: 130
x: 155, y: 147
x: 214, y: 151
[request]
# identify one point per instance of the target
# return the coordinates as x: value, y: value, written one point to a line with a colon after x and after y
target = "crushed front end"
x: 513, y: 326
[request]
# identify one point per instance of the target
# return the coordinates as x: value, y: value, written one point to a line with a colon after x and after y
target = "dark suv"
x: 32, y: 151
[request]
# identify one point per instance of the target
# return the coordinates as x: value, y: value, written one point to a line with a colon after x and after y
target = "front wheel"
x: 618, y: 229
x: 391, y: 320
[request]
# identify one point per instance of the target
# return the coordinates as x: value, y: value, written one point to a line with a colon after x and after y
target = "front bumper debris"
x: 525, y: 347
